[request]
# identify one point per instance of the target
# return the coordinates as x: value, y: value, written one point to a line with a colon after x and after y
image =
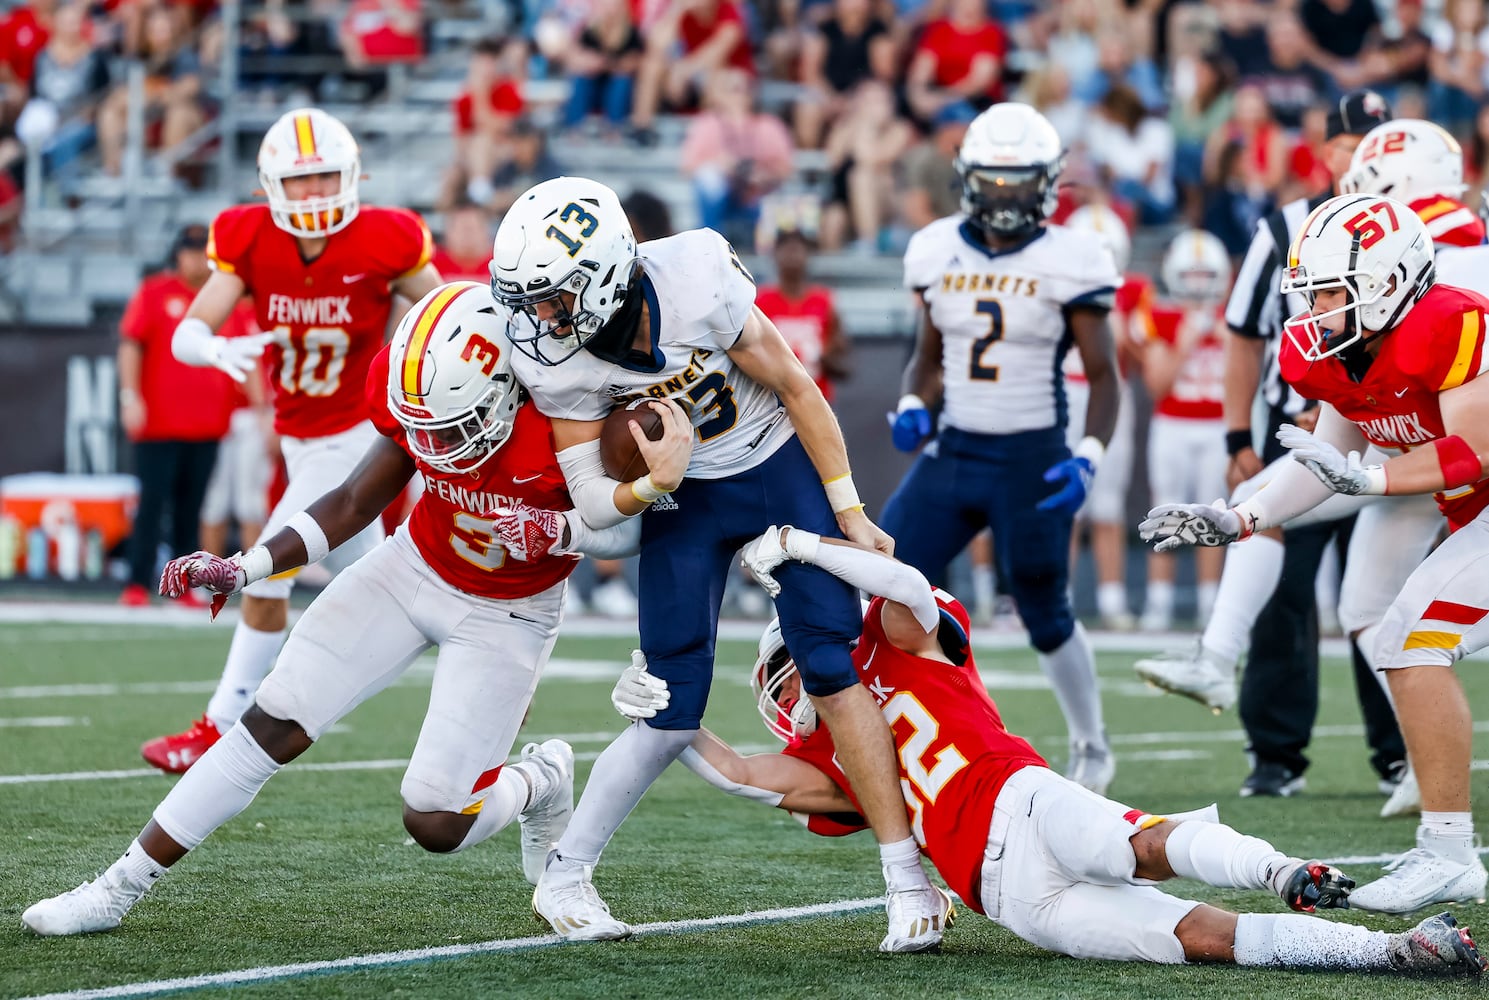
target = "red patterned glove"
x: 528, y: 533
x: 203, y: 569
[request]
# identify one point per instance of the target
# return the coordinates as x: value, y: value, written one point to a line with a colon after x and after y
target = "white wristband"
x: 645, y: 489
x: 802, y: 545
x: 1091, y: 450
x: 310, y: 532
x: 256, y: 564
x: 842, y: 495
x: 1375, y: 481
x: 910, y: 401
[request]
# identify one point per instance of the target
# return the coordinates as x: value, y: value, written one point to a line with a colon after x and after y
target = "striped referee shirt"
x: 1257, y: 306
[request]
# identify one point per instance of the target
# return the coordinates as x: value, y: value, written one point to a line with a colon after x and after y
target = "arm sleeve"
x: 618, y: 541
x: 693, y: 761
x: 869, y: 571
x: 592, y: 491
x: 1295, y: 490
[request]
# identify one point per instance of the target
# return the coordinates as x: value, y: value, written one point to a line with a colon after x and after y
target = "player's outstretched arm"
x: 337, y: 516
x: 763, y: 354
x: 195, y: 341
x: 775, y: 779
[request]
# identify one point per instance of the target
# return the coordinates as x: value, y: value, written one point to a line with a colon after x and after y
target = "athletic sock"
x: 1295, y: 941
x: 1217, y: 855
x: 621, y: 775
x: 1252, y: 569
x: 249, y: 660
x: 983, y: 589
x: 137, y: 868
x: 1111, y: 600
x: 1205, y: 594
x: 218, y: 787
x: 1071, y: 669
x: 1449, y: 834
x: 1159, y: 604
x: 507, y: 797
x: 901, y: 862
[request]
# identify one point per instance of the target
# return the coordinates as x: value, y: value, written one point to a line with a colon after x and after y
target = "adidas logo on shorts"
x: 665, y: 502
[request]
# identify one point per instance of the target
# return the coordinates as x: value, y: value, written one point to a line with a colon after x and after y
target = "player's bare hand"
x: 1243, y: 465
x: 132, y: 416
x: 1307, y: 420
x: 668, y: 456
x: 858, y: 529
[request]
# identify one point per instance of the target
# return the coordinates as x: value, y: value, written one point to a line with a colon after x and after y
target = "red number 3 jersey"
x: 1440, y: 345
x: 328, y: 316
x: 954, y: 751
x: 451, y: 522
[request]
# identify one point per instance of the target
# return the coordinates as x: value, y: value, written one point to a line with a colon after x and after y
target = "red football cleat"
x: 175, y: 753
x: 134, y: 596
x: 189, y: 599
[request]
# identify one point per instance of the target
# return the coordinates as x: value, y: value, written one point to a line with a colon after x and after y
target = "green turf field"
x: 319, y: 868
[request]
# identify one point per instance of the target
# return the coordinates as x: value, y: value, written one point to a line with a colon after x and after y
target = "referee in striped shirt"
x: 1279, y: 689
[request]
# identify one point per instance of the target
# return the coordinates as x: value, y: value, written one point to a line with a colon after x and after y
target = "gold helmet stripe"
x: 418, y: 341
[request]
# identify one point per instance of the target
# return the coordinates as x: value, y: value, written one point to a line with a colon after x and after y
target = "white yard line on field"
x: 44, y: 722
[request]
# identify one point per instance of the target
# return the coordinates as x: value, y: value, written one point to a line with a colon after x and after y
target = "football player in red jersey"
x: 475, y: 571
x: 806, y: 314
x: 1419, y: 163
x: 1397, y: 360
x: 323, y: 270
x: 1056, y: 864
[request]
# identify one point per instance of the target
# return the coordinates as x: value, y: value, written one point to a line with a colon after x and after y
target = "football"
x: 618, y: 452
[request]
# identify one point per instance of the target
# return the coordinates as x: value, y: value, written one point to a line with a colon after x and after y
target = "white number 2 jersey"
x: 699, y: 296
x: 1002, y: 319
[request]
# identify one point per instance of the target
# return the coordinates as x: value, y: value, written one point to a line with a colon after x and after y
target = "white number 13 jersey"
x: 1002, y: 319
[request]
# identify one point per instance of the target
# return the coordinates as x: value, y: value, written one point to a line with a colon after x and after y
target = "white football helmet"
x: 564, y: 236
x: 1196, y: 267
x: 1008, y: 163
x: 1407, y: 159
x: 789, y: 715
x: 1107, y: 226
x: 1377, y: 249
x: 303, y: 142
x: 450, y: 382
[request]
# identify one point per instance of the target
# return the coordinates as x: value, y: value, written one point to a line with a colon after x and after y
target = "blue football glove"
x: 1074, y: 475
x: 910, y: 424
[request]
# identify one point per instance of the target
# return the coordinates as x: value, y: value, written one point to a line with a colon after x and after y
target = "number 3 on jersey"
x: 313, y: 360
x: 994, y: 311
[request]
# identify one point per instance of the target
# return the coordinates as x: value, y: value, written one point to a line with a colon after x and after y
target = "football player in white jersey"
x: 1003, y: 298
x: 599, y: 321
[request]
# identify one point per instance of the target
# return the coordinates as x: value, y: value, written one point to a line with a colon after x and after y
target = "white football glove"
x: 1173, y: 525
x: 237, y: 356
x: 639, y: 694
x: 761, y: 556
x: 1347, y: 474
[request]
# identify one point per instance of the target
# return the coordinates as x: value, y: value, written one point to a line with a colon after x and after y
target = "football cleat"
x: 1091, y: 766
x: 134, y: 596
x: 93, y: 906
x: 547, y: 814
x: 1199, y: 674
x: 1406, y: 796
x: 1269, y: 779
x: 1421, y: 877
x: 175, y: 753
x: 1436, y: 947
x: 917, y: 919
x: 1313, y: 885
x: 567, y: 900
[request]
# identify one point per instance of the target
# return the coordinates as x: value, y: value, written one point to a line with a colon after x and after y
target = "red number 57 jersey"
x: 329, y: 315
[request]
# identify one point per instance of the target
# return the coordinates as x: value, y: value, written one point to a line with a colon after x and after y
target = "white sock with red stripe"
x: 504, y: 800
x: 1295, y: 941
x: 249, y: 660
x: 1252, y: 569
x: 1218, y: 855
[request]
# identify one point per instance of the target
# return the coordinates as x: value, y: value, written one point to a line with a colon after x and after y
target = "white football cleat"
x: 567, y: 900
x: 547, y: 815
x: 1199, y: 674
x: 1420, y: 877
x: 1091, y: 766
x: 1406, y: 797
x: 917, y: 918
x: 93, y: 906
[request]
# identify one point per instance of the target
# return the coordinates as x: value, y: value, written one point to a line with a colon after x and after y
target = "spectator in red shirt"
x: 711, y: 34
x: 805, y: 314
x: 485, y: 113
x: 377, y: 32
x: 465, y: 252
x: 23, y: 34
x: 959, y: 59
x: 175, y: 414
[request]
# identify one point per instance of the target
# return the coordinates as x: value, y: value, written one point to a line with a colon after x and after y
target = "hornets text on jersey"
x: 1001, y: 314
x: 698, y: 296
